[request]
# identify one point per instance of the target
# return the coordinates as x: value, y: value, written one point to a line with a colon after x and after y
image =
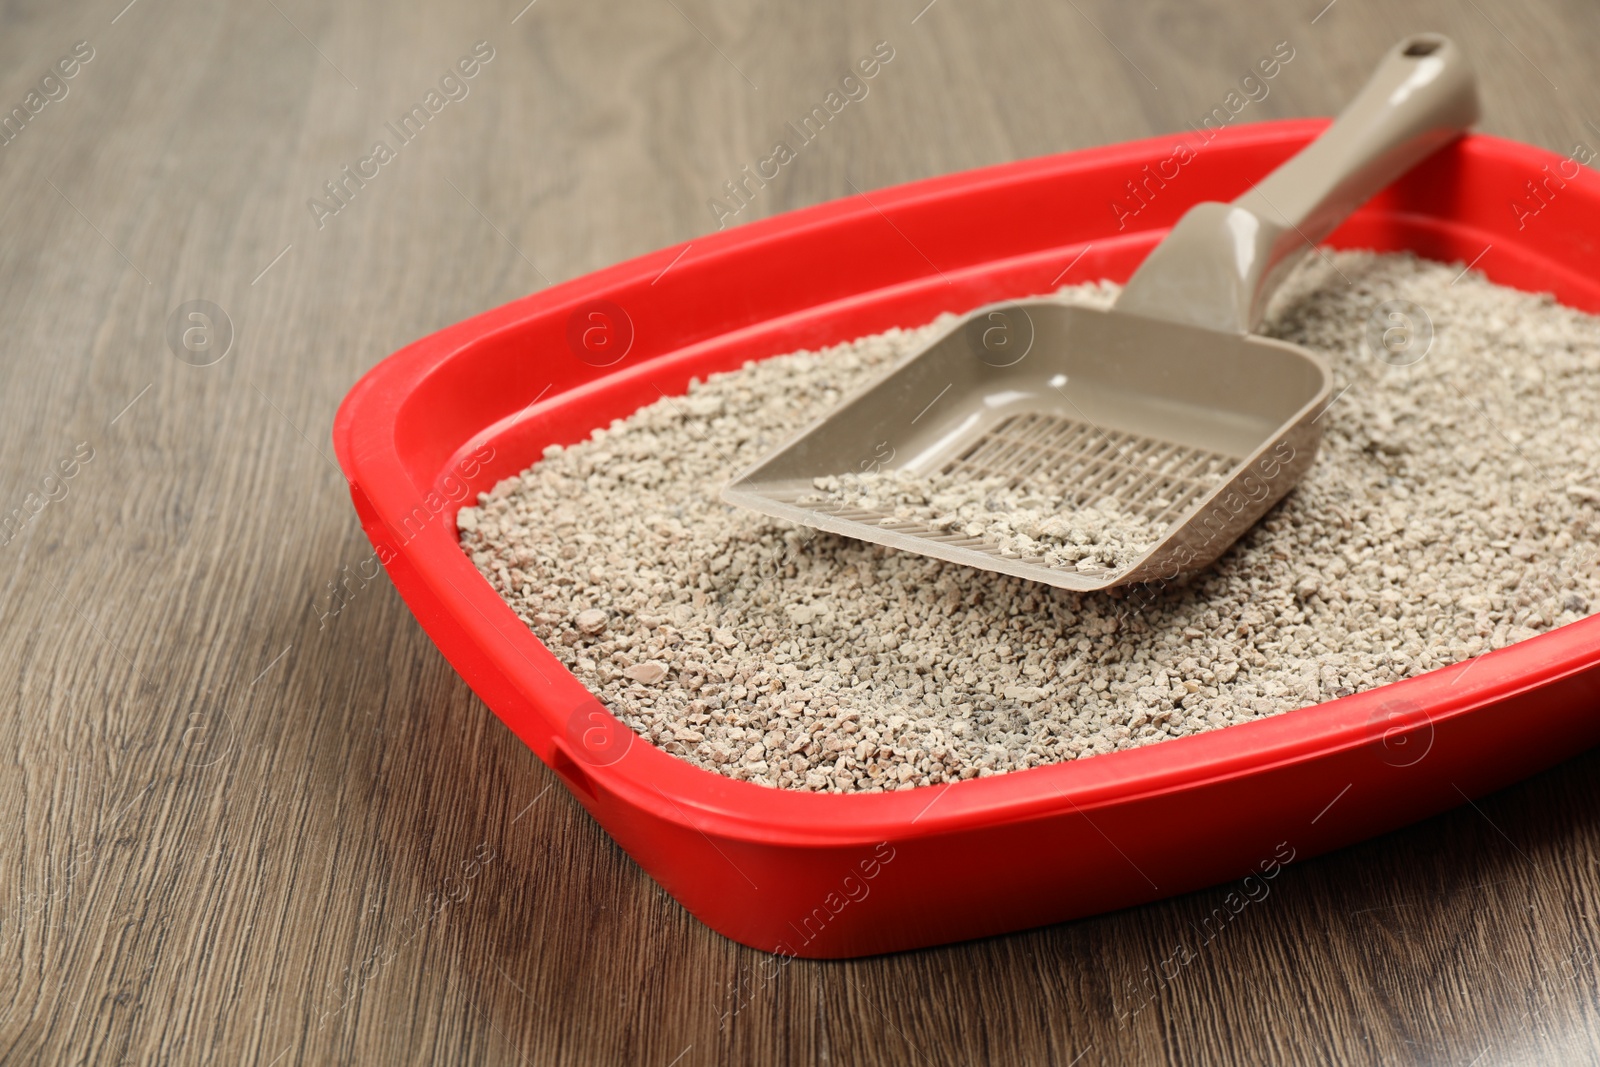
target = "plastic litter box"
x: 820, y: 875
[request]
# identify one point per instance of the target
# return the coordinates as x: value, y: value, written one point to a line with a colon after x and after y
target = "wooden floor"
x: 227, y: 815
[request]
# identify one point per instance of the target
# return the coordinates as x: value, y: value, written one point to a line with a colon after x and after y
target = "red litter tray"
x: 821, y: 875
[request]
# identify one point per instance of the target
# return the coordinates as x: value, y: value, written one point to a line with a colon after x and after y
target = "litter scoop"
x: 1165, y: 413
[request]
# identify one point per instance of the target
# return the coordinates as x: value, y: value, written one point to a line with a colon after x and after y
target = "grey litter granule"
x: 1023, y: 521
x: 1453, y: 509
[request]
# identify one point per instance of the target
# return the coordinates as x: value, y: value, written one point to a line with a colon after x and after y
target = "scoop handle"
x: 1220, y: 264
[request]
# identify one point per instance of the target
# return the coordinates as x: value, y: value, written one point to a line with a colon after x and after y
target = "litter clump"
x: 1454, y: 509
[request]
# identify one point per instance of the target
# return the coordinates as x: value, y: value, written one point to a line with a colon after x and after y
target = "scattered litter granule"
x: 1454, y: 508
x: 1023, y: 521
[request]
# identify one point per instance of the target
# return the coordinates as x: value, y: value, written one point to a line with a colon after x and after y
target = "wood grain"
x: 229, y: 819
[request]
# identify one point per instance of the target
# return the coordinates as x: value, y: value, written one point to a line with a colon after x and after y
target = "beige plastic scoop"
x: 1165, y: 408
